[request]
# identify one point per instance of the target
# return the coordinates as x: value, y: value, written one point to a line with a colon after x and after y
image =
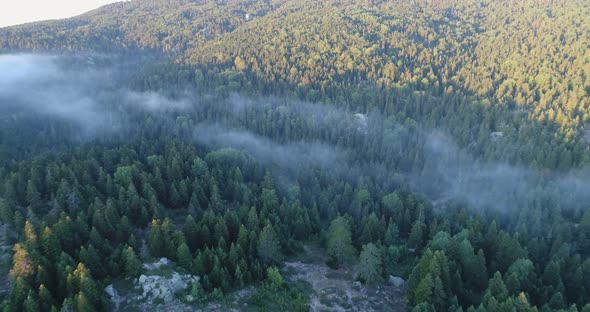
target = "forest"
x: 443, y: 142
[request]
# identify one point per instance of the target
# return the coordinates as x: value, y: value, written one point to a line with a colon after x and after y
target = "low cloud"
x: 453, y: 174
x: 85, y: 95
x: 286, y: 156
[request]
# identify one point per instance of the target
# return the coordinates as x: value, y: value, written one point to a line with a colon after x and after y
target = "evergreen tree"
x: 370, y: 264
x: 417, y: 235
x: 19, y: 293
x: 30, y: 304
x: 496, y: 289
x: 50, y: 244
x: 156, y: 239
x: 269, y: 250
x: 22, y: 263
x: 339, y: 241
x: 131, y: 263
x: 274, y: 279
x: 45, y: 299
x: 185, y: 259
x: 191, y: 233
x: 424, y: 291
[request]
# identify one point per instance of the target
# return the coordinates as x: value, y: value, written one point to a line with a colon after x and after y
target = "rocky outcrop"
x: 163, y: 262
x: 159, y: 286
x: 114, y: 296
x: 156, y: 288
x: 396, y: 281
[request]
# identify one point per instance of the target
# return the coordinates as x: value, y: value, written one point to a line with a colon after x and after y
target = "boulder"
x: 110, y: 290
x: 396, y: 281
x: 357, y: 285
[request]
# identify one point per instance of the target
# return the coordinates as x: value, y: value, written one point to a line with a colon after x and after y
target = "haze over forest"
x: 298, y: 156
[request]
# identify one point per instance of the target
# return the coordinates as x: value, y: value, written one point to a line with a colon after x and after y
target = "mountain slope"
x: 535, y: 62
x: 152, y: 24
x: 283, y: 123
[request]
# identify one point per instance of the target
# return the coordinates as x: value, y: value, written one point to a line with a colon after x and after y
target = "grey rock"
x: 396, y: 281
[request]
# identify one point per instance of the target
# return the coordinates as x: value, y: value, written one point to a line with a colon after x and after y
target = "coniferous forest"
x: 442, y: 143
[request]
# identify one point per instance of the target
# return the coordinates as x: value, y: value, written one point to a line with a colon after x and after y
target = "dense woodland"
x: 84, y: 211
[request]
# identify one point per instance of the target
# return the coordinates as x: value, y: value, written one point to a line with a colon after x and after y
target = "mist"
x: 451, y: 174
x: 287, y: 157
x: 37, y: 84
x: 98, y: 99
x: 94, y: 98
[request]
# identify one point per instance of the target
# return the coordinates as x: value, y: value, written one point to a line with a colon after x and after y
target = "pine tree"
x: 496, y: 289
x: 238, y: 277
x: 391, y: 234
x: 30, y: 236
x: 416, y: 239
x: 551, y: 274
x: 419, y: 272
x: 131, y: 263
x: 30, y: 304
x: 274, y: 279
x: 370, y: 266
x: 269, y: 250
x: 155, y: 239
x: 6, y: 212
x: 191, y: 233
x: 22, y: 264
x: 50, y: 244
x: 91, y: 259
x: 45, y: 299
x: 185, y: 259
x: 83, y: 304
x: 169, y: 247
x: 372, y: 229
x: 424, y: 290
x: 215, y: 199
x: 253, y: 220
x: 512, y: 284
x: 339, y: 244
x: 439, y: 296
x: 19, y: 293
x: 33, y: 196
x: 88, y: 288
x: 391, y: 204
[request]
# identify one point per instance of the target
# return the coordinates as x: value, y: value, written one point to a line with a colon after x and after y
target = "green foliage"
x: 275, y: 294
x: 185, y: 259
x: 131, y: 263
x: 370, y: 266
x: 339, y: 241
x: 191, y: 233
x: 506, y: 87
x: 268, y: 246
x: 274, y: 279
x: 429, y: 281
x: 50, y: 244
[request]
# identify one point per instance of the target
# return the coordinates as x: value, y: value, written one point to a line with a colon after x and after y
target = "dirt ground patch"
x: 336, y: 290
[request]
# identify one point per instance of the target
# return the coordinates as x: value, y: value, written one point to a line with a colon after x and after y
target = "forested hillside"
x: 445, y: 142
